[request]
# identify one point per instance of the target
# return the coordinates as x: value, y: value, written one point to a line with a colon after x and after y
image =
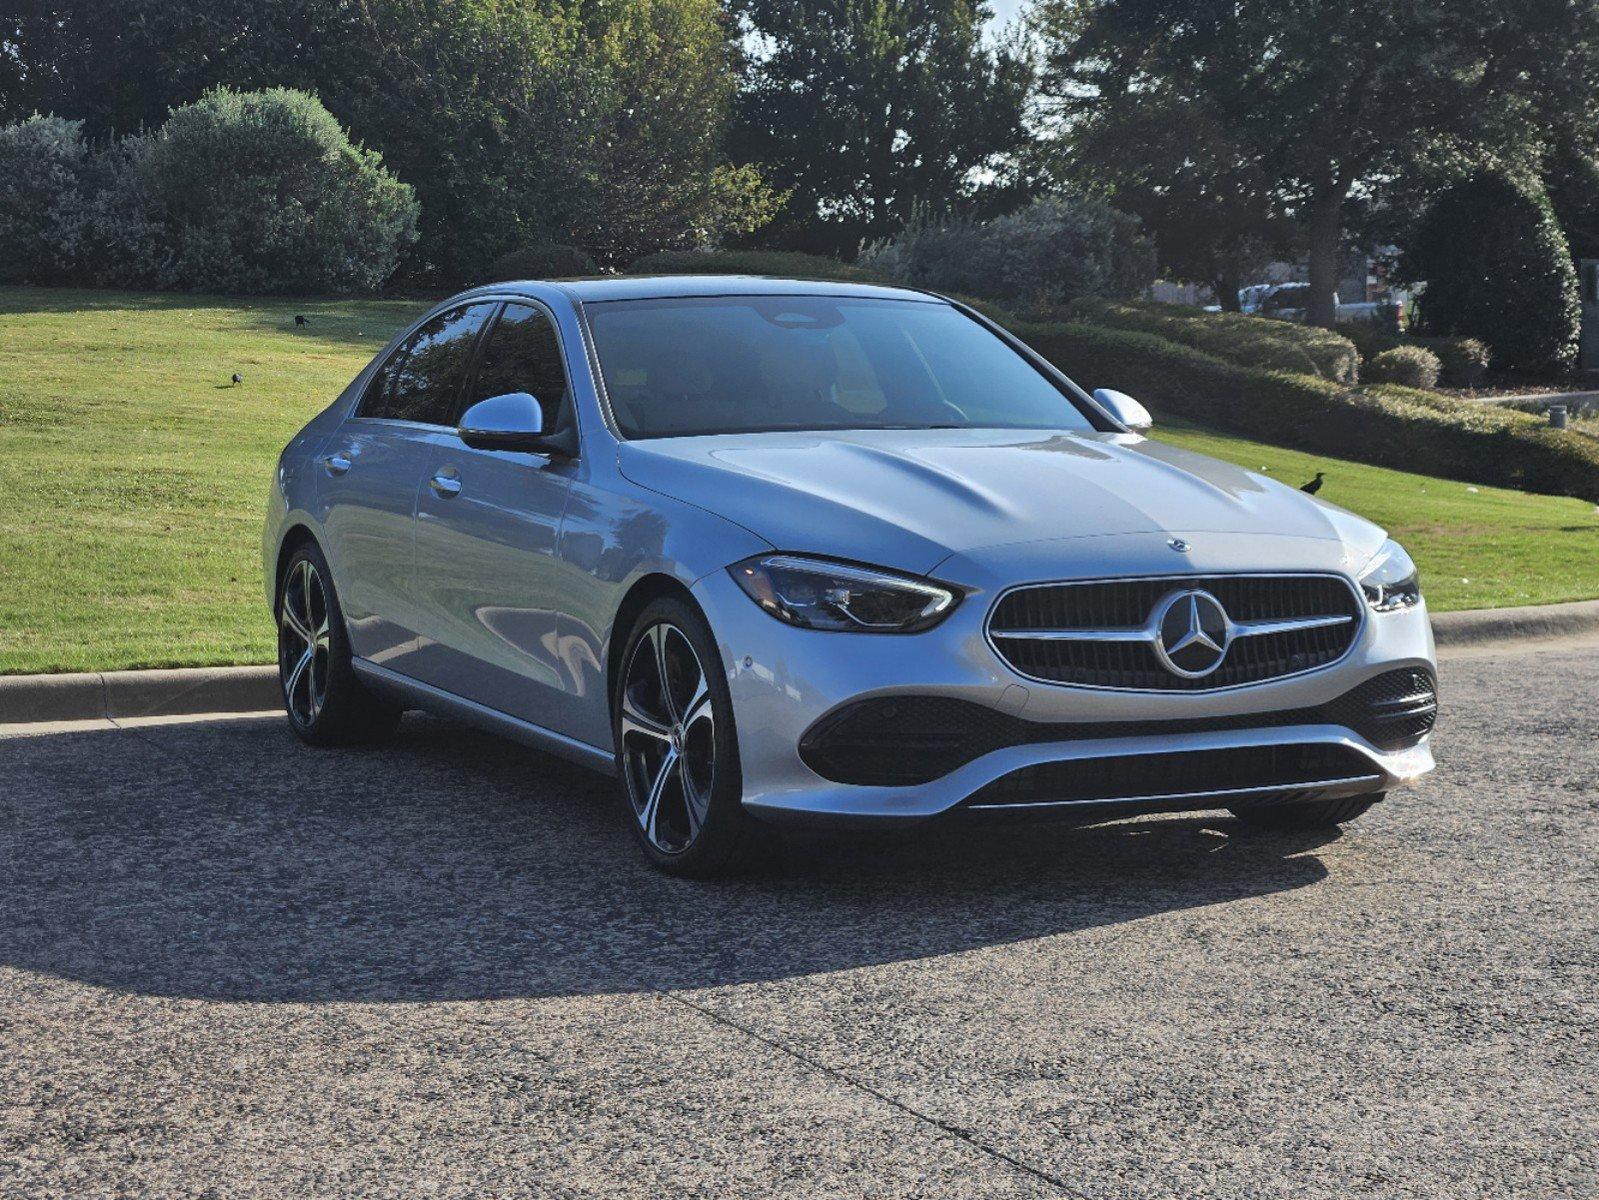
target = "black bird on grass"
x: 300, y: 322
x: 1314, y: 486
x: 237, y: 379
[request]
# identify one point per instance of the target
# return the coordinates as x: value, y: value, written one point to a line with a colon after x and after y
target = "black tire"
x: 1314, y: 814
x: 326, y: 704
x: 701, y: 828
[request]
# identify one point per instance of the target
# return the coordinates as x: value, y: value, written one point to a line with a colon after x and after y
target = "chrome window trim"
x: 1178, y: 581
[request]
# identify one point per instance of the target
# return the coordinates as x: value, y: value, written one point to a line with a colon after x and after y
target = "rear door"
x: 372, y: 467
x: 488, y: 529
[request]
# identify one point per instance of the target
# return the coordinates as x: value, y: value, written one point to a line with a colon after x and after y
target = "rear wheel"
x: 326, y: 703
x: 1315, y: 814
x: 676, y: 749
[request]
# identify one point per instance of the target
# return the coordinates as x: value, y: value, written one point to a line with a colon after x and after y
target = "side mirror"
x: 1125, y: 409
x: 514, y: 421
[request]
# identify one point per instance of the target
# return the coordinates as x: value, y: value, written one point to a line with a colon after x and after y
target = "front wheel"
x: 1315, y: 814
x: 676, y: 748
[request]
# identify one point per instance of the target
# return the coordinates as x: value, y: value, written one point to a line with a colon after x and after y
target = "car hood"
x: 909, y: 499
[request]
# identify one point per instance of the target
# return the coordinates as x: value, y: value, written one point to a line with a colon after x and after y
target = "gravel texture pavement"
x: 232, y: 966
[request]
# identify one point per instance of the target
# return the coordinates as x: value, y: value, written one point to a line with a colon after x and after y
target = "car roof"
x: 654, y: 287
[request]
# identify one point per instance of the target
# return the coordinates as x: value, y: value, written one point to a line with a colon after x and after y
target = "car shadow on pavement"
x: 225, y: 861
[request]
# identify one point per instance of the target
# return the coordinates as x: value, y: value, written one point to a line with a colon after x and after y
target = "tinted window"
x: 744, y: 364
x: 423, y: 379
x: 522, y: 354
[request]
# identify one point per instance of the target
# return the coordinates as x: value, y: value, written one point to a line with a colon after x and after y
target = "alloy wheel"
x: 667, y: 738
x: 303, y: 625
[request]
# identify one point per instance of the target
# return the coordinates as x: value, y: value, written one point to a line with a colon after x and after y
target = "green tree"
x: 1497, y: 268
x: 120, y: 66
x: 868, y: 113
x: 599, y: 122
x: 1327, y: 99
x: 1571, y: 176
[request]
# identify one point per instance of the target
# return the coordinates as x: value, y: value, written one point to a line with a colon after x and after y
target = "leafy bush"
x: 264, y: 192
x: 1369, y: 338
x: 1464, y: 360
x: 1048, y: 253
x: 1412, y: 366
x: 1248, y: 341
x: 546, y: 260
x: 1497, y: 268
x: 1386, y: 425
x: 43, y: 207
x: 781, y: 263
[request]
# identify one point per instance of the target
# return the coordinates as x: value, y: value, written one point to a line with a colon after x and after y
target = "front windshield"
x: 752, y: 364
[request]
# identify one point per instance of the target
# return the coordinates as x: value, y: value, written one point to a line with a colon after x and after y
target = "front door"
x: 487, y: 535
x: 371, y: 466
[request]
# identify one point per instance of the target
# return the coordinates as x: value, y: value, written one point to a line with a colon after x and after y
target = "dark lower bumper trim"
x: 1222, y: 798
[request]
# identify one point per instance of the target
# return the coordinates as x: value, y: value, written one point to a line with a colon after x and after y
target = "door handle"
x: 337, y: 464
x: 444, y: 486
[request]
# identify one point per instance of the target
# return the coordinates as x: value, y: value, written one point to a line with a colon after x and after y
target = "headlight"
x: 816, y: 594
x: 1389, y: 580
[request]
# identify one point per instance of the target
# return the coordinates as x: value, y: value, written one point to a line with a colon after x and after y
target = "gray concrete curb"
x: 32, y: 698
x: 1538, y: 621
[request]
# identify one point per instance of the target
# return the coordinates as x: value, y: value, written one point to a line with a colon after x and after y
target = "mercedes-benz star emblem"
x: 1192, y: 633
x: 1178, y: 545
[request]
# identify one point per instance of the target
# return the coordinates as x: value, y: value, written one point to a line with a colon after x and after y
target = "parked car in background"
x: 773, y: 550
x: 1288, y: 302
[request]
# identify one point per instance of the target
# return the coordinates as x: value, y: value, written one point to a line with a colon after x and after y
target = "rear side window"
x: 421, y: 381
x: 523, y: 354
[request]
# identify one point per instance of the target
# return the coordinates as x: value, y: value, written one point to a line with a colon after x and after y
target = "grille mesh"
x: 1128, y: 603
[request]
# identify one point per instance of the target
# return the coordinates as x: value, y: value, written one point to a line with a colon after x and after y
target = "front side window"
x: 423, y: 378
x: 523, y: 354
x: 749, y: 364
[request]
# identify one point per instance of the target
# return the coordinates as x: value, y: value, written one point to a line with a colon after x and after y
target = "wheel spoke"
x: 657, y: 636
x: 699, y: 707
x: 308, y: 581
x: 636, y: 720
x: 693, y: 805
x: 292, y: 619
x: 650, y: 816
x: 302, y: 670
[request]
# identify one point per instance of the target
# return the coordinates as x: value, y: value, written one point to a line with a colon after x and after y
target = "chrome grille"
x: 1032, y: 628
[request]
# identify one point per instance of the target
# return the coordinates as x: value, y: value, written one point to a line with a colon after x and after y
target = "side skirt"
x: 416, y: 694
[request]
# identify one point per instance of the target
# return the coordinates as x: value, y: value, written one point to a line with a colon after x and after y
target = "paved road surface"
x: 230, y: 966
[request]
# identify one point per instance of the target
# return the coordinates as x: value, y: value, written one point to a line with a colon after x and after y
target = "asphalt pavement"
x: 233, y: 966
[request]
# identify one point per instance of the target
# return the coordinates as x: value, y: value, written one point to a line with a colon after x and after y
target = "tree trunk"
x: 1227, y: 284
x: 1324, y: 234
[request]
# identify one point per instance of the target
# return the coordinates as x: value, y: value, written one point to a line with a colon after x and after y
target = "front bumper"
x: 784, y: 680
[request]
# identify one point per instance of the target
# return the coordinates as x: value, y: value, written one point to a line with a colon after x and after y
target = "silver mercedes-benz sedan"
x: 777, y: 550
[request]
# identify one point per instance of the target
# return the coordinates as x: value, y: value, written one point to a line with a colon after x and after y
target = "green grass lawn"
x: 132, y: 478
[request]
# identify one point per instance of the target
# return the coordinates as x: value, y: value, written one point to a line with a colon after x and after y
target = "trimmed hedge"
x: 1385, y: 425
x: 1245, y: 340
x: 1412, y: 366
x: 781, y: 263
x: 1464, y: 359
